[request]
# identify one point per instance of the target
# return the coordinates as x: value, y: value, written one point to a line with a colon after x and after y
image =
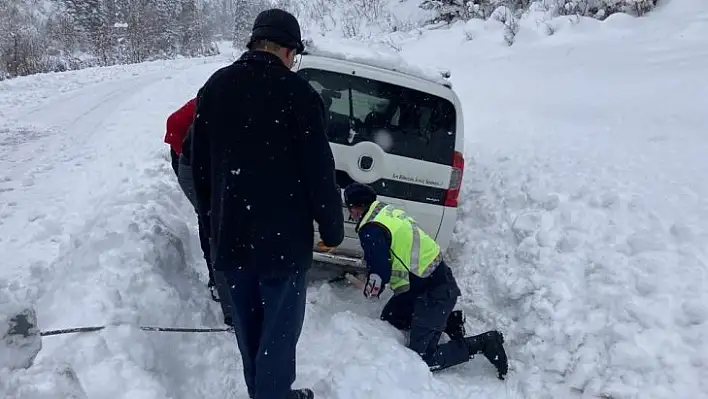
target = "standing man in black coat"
x: 263, y: 172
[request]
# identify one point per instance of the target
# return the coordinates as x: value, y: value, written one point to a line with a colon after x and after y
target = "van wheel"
x: 324, y: 272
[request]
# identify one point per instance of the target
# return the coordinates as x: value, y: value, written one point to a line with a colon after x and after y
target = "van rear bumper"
x: 348, y: 263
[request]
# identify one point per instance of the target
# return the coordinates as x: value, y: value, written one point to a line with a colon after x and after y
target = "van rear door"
x: 399, y: 140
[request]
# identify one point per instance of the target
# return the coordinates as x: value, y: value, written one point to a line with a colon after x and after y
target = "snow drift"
x: 583, y: 235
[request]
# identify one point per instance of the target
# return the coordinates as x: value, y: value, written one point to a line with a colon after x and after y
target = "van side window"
x: 400, y: 120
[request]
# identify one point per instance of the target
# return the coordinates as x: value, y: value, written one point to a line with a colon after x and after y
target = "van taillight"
x: 452, y: 194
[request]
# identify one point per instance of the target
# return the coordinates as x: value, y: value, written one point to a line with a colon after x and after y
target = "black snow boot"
x: 491, y: 345
x: 455, y: 328
x: 303, y: 393
x: 213, y: 291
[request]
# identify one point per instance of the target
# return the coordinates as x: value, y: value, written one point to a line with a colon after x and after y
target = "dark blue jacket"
x: 263, y: 168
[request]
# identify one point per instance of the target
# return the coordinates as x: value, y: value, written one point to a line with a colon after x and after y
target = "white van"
x: 399, y: 132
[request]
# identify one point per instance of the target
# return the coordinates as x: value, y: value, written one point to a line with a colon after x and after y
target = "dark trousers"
x: 268, y: 314
x: 183, y: 171
x: 174, y: 161
x: 425, y: 316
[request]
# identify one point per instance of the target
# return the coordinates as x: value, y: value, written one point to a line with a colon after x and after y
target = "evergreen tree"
x: 93, y: 19
x: 246, y: 12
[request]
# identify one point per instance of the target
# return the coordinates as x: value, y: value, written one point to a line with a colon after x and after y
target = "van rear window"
x: 400, y: 120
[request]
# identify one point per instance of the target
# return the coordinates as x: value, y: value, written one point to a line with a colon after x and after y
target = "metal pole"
x: 144, y: 328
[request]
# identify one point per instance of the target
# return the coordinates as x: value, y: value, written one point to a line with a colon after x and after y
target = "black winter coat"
x: 263, y: 167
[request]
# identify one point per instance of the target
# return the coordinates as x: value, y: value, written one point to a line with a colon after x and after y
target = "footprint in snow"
x: 36, y: 216
x: 5, y: 180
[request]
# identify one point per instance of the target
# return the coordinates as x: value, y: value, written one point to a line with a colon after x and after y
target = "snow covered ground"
x: 583, y: 236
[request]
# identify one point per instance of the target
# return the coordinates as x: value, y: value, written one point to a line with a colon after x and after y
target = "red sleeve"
x: 178, y: 124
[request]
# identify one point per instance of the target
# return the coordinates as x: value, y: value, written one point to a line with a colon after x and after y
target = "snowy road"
x: 61, y: 155
x: 583, y: 234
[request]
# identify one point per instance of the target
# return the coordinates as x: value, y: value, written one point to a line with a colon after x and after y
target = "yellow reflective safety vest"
x: 412, y: 250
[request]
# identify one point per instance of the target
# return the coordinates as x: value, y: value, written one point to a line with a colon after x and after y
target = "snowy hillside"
x: 583, y: 236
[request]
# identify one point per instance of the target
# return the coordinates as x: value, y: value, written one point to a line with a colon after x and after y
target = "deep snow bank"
x: 583, y: 231
x: 103, y: 235
x: 136, y: 263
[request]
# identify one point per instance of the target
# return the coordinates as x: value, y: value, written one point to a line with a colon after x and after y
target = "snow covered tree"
x: 21, y: 41
x: 64, y: 34
x: 149, y: 30
x: 245, y: 13
x: 56, y: 35
x: 223, y: 13
x: 448, y: 10
x: 602, y: 9
x: 189, y: 28
x: 162, y: 34
x: 93, y: 19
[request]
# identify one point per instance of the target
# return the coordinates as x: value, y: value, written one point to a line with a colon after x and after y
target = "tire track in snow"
x: 72, y: 120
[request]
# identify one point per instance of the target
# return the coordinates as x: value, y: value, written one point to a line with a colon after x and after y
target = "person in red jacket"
x: 179, y: 126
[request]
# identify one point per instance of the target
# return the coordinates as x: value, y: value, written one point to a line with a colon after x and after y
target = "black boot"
x: 303, y: 393
x: 212, y: 290
x: 491, y: 345
x: 455, y: 328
